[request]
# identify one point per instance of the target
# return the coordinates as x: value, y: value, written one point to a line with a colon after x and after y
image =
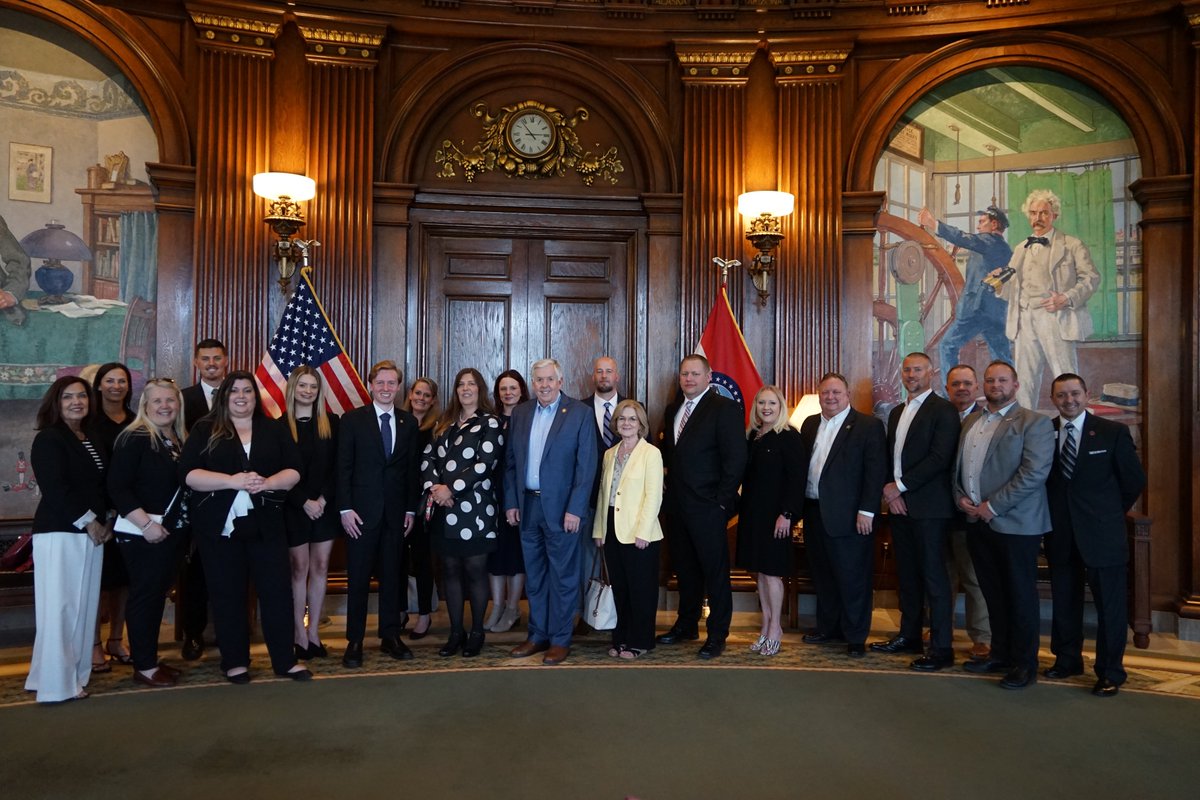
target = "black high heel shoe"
x: 452, y: 645
x: 316, y: 650
x: 300, y: 652
x: 474, y: 644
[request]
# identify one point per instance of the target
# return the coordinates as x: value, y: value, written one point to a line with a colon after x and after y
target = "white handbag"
x: 600, y: 609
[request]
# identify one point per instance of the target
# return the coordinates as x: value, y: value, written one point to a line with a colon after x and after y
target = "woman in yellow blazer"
x: 631, y: 488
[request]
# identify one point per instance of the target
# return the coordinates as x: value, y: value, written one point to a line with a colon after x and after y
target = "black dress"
x: 113, y: 574
x: 507, y: 559
x: 772, y: 483
x: 464, y: 458
x: 316, y: 480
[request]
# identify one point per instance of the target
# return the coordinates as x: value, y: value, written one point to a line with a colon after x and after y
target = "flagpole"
x: 726, y: 264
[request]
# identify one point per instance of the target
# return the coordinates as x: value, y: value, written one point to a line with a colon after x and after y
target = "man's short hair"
x: 381, y: 366
x: 208, y: 344
x: 1068, y: 376
x: 696, y: 357
x: 968, y: 367
x: 542, y: 363
x: 918, y: 354
x: 839, y: 376
x: 1042, y: 196
x: 1000, y: 362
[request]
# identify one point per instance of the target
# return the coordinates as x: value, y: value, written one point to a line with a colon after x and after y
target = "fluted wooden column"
x: 809, y: 277
x: 714, y: 117
x: 1191, y: 605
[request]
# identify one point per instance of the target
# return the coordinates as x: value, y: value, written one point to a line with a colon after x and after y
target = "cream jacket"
x: 639, y: 495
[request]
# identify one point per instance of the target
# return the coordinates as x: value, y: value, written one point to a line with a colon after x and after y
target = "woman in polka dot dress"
x: 461, y: 505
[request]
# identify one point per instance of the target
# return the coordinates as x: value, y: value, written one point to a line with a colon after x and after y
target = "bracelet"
x: 149, y: 522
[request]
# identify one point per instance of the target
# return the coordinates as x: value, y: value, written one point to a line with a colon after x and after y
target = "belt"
x: 534, y: 492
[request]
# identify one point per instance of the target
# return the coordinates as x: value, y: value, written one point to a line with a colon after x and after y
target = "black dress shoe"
x: 856, y: 650
x: 932, y: 663
x: 898, y: 644
x: 1018, y: 678
x: 1057, y: 672
x: 678, y: 634
x: 395, y: 648
x: 820, y: 638
x: 711, y: 649
x: 987, y: 667
x: 353, y: 656
x: 474, y: 644
x: 241, y: 679
x: 192, y: 649
x: 1105, y: 688
x: 452, y: 645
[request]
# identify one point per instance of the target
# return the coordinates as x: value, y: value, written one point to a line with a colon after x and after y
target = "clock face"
x: 531, y: 133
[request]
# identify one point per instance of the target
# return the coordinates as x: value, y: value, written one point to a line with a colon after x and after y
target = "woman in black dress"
x: 772, y: 496
x: 143, y: 483
x: 310, y: 516
x: 506, y: 564
x: 113, y: 390
x: 422, y: 403
x: 461, y: 507
x: 239, y: 465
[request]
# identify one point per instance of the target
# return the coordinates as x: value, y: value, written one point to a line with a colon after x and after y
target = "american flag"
x: 306, y: 337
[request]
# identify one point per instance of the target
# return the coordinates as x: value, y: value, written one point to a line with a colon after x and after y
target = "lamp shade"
x: 274, y: 185
x: 55, y: 241
x: 755, y: 204
x: 809, y: 404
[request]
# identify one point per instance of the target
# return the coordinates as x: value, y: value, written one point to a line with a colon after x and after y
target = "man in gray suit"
x: 1004, y: 456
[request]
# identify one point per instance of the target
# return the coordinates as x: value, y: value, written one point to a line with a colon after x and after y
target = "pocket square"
x: 1096, y: 452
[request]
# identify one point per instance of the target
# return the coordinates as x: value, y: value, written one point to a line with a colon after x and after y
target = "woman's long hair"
x: 99, y: 395
x: 320, y: 411
x: 516, y: 376
x: 49, y: 412
x: 142, y: 425
x: 222, y: 423
x: 431, y: 416
x: 756, y: 421
x: 454, y: 407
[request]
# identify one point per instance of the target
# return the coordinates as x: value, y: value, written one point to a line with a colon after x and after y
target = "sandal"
x: 758, y: 643
x: 630, y: 653
x: 101, y: 666
x: 125, y: 659
x: 770, y: 647
x: 616, y: 650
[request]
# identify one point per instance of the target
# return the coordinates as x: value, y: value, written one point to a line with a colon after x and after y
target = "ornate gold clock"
x: 530, y: 133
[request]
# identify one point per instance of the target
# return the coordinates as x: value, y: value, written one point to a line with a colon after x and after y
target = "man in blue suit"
x: 550, y: 471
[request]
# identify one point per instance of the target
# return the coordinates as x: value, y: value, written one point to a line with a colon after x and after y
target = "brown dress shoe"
x: 158, y: 679
x: 556, y: 655
x: 980, y: 651
x: 528, y: 648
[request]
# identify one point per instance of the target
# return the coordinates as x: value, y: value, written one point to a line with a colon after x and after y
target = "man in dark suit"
x: 846, y: 470
x: 211, y: 363
x: 1095, y: 480
x: 550, y: 471
x: 1004, y: 456
x: 922, y: 440
x: 704, y: 454
x: 378, y: 493
x: 603, y: 402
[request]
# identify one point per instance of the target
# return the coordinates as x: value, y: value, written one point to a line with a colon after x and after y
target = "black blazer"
x: 142, y: 477
x: 379, y: 490
x: 704, y: 468
x: 317, y: 479
x: 70, y: 482
x: 853, y: 476
x: 929, y: 450
x: 271, y: 450
x: 1089, y: 509
x: 195, y: 407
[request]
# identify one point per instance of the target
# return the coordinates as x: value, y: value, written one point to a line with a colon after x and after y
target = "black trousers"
x: 841, y: 574
x: 379, y: 551
x: 700, y: 557
x: 151, y: 572
x: 634, y: 577
x: 1109, y: 591
x: 229, y: 565
x: 921, y: 547
x: 193, y: 591
x: 1006, y: 566
x: 418, y: 561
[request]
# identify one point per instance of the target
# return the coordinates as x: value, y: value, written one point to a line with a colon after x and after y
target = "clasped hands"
x: 250, y: 482
x: 976, y: 511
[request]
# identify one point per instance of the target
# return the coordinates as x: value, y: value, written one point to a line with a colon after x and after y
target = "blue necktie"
x: 385, y: 432
x: 608, y: 433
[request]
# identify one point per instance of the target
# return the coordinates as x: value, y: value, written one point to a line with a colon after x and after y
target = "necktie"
x: 687, y: 412
x: 1067, y: 457
x: 212, y: 396
x: 608, y: 434
x: 385, y: 433
x: 1032, y: 240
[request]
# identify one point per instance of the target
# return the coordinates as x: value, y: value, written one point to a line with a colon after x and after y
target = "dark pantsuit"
x: 1109, y: 591
x: 193, y: 592
x: 379, y: 551
x: 700, y: 557
x: 841, y: 574
x: 230, y: 563
x: 1006, y: 565
x: 151, y: 571
x: 551, y: 574
x: 634, y: 577
x: 921, y: 546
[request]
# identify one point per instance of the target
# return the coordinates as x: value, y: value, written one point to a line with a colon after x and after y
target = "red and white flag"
x: 305, y: 336
x: 733, y: 372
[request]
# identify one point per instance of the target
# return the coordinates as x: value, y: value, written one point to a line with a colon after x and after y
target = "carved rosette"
x: 246, y: 34
x: 704, y: 63
x: 808, y: 62
x: 341, y: 45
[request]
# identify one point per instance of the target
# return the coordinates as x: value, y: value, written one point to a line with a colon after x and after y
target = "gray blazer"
x: 1013, y: 479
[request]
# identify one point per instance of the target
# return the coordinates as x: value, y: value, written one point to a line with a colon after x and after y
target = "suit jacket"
x: 1089, y: 508
x: 195, y: 407
x: 705, y: 466
x: 378, y: 489
x: 142, y: 477
x: 853, y: 476
x: 1071, y: 272
x: 568, y: 467
x: 593, y: 403
x: 639, y: 496
x: 1013, y: 478
x: 929, y: 449
x: 70, y: 482
x: 986, y: 251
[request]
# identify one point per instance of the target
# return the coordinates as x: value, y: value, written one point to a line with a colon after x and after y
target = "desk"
x: 32, y: 355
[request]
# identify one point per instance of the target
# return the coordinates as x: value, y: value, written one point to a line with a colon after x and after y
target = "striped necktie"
x: 1067, y: 456
x: 687, y: 412
x: 609, y: 436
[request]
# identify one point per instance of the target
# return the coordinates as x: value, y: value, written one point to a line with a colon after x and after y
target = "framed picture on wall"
x: 29, y: 168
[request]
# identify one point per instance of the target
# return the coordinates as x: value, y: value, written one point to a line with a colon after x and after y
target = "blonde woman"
x: 422, y: 403
x: 630, y: 494
x: 772, y: 496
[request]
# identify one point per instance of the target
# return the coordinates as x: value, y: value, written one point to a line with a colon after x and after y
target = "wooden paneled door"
x: 498, y: 301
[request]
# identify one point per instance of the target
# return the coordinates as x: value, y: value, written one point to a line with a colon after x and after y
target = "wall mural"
x: 1010, y: 233
x: 78, y: 263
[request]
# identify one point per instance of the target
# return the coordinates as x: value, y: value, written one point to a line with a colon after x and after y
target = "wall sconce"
x: 286, y: 191
x: 763, y: 210
x: 55, y: 244
x: 809, y: 404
